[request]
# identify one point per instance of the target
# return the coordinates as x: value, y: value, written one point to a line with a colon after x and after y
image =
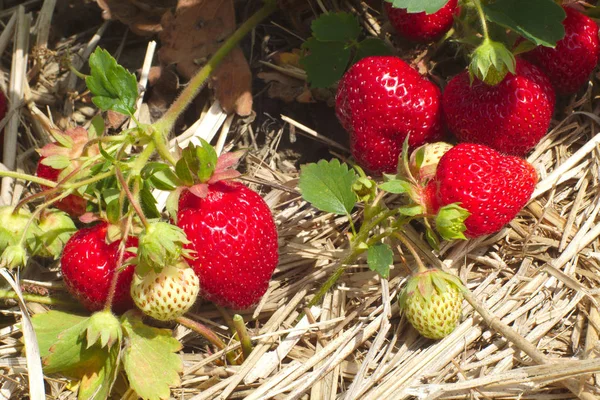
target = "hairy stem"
x: 406, y: 242
x: 132, y: 198
x: 207, y: 334
x: 36, y: 298
x: 484, y: 27
x: 115, y: 278
x: 166, y: 123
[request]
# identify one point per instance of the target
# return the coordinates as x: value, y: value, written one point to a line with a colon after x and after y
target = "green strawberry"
x: 432, y: 302
x: 56, y: 229
x: 165, y: 294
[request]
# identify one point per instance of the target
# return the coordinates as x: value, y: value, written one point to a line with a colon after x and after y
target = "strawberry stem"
x: 27, y: 177
x: 36, y: 298
x: 484, y: 27
x: 207, y: 334
x: 242, y: 332
x: 166, y: 123
x: 132, y: 198
x: 406, y: 242
x: 161, y: 147
x: 113, y: 283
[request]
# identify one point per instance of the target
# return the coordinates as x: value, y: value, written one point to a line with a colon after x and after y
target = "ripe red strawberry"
x: 422, y: 27
x: 235, y: 238
x: 571, y: 62
x: 511, y: 117
x: 491, y: 186
x: 88, y: 264
x: 72, y: 204
x: 381, y: 100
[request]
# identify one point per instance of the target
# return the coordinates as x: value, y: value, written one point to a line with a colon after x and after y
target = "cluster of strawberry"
x: 223, y: 245
x: 383, y: 100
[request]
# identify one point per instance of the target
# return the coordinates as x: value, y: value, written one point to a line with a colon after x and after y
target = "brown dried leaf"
x: 193, y: 34
x: 142, y: 16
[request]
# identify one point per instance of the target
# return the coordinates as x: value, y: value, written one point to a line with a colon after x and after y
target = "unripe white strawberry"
x: 432, y: 303
x: 166, y: 294
x: 424, y: 160
x: 56, y: 228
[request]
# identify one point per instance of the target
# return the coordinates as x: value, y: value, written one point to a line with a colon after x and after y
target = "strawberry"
x: 381, y: 100
x: 88, y: 265
x: 491, y: 186
x: 56, y: 229
x: 422, y: 27
x: 511, y: 117
x: 424, y: 160
x: 61, y: 158
x: 570, y: 63
x: 167, y: 294
x: 12, y: 226
x: 432, y: 303
x: 235, y: 239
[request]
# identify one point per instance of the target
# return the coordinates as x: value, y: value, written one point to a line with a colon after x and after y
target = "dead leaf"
x: 142, y: 16
x: 285, y: 88
x: 193, y: 34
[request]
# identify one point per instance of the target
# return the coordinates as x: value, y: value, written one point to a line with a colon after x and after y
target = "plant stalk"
x: 166, y: 123
x: 242, y: 332
x: 207, y: 334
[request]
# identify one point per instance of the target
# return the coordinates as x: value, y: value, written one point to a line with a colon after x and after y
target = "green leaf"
x: 411, y: 211
x: 396, y: 186
x: 326, y: 62
x: 148, y: 203
x: 328, y: 186
x: 101, y: 374
x: 150, y: 358
x: 417, y: 6
x: 336, y: 27
x: 539, y: 21
x: 50, y: 324
x: 160, y: 175
x: 450, y: 221
x: 57, y: 161
x: 112, y: 86
x: 371, y: 46
x: 97, y: 127
x: 491, y: 61
x: 379, y: 259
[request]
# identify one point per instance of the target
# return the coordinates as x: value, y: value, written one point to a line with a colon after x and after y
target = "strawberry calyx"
x: 491, y: 61
x: 427, y: 283
x: 14, y: 256
x: 64, y: 154
x: 161, y: 244
x: 103, y: 328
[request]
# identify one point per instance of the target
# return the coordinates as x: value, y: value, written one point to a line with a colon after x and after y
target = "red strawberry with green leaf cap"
x: 60, y: 158
x: 570, y: 64
x: 511, y: 117
x: 231, y: 230
x: 490, y: 186
x: 422, y: 27
x: 380, y: 101
x: 88, y: 264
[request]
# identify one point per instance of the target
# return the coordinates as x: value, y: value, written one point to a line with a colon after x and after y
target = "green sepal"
x: 397, y: 186
x: 491, y: 61
x: 103, y: 328
x: 161, y: 244
x: 450, y: 222
x: 14, y: 256
x: 207, y: 157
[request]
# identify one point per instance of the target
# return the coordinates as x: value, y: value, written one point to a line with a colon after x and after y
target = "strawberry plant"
x: 446, y: 161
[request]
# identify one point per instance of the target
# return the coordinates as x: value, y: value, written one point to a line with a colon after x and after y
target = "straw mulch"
x: 539, y: 276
